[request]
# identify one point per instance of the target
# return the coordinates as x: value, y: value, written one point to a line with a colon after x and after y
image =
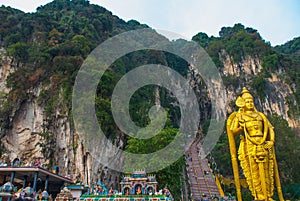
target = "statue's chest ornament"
x: 252, y: 120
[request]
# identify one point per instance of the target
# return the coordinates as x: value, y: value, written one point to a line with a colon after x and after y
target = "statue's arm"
x: 236, y: 127
x: 271, y: 133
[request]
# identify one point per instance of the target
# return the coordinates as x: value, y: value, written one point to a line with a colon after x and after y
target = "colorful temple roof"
x: 137, y: 186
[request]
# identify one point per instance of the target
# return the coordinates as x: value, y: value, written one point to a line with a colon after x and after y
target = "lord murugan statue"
x: 256, y: 152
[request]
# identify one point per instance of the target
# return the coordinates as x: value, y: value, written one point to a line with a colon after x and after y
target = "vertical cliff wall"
x: 277, y: 93
x: 33, y: 134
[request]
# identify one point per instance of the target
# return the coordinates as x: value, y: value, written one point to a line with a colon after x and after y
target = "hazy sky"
x: 278, y: 21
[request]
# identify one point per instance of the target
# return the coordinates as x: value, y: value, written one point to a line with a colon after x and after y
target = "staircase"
x: 202, y: 181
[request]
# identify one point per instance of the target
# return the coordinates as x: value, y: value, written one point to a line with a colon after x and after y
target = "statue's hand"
x: 269, y: 144
x: 241, y: 123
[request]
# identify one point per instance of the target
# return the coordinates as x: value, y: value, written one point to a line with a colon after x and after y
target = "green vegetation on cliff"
x: 238, y: 43
x: 48, y: 48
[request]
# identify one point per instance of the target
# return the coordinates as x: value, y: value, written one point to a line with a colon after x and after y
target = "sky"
x: 277, y: 21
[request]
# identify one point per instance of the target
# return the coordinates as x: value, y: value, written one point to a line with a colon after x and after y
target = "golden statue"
x: 256, y: 151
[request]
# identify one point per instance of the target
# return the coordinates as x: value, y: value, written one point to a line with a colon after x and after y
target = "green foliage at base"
x: 171, y: 176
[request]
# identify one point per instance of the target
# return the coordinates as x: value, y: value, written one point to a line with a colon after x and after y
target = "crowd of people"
x: 205, y: 197
x: 17, y: 162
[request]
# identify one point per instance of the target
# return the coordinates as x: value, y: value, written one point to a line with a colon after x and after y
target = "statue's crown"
x: 246, y: 94
x: 240, y: 102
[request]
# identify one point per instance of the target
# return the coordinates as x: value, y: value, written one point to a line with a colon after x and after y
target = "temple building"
x: 139, y: 183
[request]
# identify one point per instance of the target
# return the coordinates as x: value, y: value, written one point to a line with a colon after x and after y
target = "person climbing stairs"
x: 201, y: 179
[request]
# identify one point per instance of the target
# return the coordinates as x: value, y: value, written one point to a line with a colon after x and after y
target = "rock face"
x: 22, y: 138
x: 247, y: 68
x: 277, y: 91
x: 7, y: 67
x: 29, y: 135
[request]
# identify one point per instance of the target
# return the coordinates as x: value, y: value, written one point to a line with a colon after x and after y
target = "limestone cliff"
x: 32, y: 135
x: 277, y: 91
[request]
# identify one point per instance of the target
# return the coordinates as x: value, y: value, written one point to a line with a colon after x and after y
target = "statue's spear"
x: 234, y: 161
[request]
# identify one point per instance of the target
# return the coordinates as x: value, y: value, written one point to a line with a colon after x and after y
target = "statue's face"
x: 249, y: 104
